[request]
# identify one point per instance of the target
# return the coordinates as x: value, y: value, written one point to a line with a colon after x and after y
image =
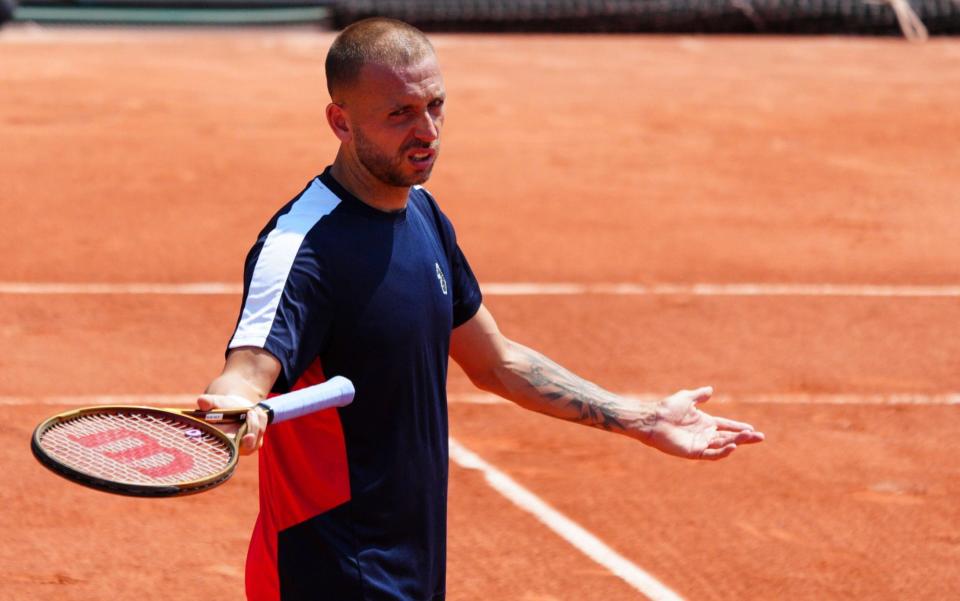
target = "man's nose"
x: 428, y: 127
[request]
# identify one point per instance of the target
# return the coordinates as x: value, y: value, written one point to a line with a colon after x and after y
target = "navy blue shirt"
x: 353, y: 500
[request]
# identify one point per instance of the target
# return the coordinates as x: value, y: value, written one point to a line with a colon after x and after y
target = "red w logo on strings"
x: 148, y: 447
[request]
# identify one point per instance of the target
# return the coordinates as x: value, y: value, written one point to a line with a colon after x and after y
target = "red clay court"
x: 774, y: 217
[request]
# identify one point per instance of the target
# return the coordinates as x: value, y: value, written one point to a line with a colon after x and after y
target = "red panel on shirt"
x: 303, y: 473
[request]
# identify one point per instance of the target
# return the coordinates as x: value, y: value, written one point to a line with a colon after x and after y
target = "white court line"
x: 570, y: 531
x: 84, y: 400
x: 802, y: 398
x: 738, y: 289
x: 208, y: 288
x: 483, y: 398
x: 526, y: 289
x: 773, y: 398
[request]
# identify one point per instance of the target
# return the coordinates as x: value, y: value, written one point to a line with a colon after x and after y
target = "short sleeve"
x: 286, y: 287
x: 467, y: 296
x: 287, y: 308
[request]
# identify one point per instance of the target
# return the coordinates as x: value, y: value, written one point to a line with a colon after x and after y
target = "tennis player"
x: 361, y: 275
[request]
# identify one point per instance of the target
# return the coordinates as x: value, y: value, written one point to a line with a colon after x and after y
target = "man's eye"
x: 437, y: 103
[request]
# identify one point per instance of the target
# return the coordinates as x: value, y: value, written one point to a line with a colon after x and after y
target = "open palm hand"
x: 684, y: 430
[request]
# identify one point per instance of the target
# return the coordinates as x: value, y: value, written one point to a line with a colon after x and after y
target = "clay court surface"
x: 139, y: 156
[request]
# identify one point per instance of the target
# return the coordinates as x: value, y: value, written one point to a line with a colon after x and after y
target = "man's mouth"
x: 422, y: 157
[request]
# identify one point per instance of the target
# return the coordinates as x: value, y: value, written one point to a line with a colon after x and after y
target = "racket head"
x: 135, y: 451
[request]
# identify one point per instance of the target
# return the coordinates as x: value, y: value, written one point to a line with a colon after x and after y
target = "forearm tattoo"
x: 574, y: 398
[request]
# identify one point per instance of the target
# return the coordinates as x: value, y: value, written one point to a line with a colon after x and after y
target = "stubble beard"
x: 387, y: 169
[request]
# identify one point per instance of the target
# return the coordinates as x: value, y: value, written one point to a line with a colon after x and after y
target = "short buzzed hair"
x: 377, y: 40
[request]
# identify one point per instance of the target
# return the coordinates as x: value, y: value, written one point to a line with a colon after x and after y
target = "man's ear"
x: 339, y: 124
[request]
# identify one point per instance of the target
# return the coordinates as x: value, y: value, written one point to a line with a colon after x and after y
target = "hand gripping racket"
x: 152, y: 452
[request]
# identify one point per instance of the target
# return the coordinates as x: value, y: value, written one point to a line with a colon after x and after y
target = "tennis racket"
x: 153, y: 452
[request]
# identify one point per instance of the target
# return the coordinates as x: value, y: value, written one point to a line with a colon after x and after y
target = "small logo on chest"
x: 443, y: 280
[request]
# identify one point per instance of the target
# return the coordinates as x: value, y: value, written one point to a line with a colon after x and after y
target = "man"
x: 361, y: 275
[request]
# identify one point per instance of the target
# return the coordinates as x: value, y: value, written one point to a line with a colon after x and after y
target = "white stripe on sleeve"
x: 275, y: 261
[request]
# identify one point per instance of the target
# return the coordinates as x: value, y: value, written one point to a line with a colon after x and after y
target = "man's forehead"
x: 389, y: 82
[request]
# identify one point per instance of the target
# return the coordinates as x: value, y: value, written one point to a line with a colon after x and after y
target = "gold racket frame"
x: 146, y: 490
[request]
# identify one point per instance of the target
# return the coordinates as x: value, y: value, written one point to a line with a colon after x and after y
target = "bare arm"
x: 248, y: 376
x: 674, y: 425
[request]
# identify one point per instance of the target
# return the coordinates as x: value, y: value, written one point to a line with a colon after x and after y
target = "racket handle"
x: 335, y: 392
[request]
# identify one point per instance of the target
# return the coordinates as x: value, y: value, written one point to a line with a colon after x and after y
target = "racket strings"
x: 137, y: 448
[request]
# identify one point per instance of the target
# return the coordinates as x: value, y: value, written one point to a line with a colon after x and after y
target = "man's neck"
x: 355, y: 178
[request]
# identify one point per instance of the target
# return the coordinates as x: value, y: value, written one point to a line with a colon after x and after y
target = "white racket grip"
x: 335, y: 392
